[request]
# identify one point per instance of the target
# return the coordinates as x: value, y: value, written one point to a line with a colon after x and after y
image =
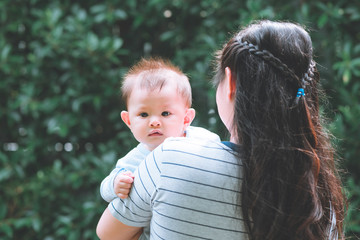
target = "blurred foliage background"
x: 61, y: 63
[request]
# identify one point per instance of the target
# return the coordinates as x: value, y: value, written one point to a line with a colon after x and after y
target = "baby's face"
x: 156, y: 115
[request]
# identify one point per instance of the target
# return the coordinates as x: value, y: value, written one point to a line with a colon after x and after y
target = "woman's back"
x: 193, y: 190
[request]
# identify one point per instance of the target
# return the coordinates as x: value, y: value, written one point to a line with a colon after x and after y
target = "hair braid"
x: 278, y: 64
x: 308, y: 76
x: 269, y: 58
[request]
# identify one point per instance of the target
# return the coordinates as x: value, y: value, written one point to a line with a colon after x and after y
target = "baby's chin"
x: 151, y: 146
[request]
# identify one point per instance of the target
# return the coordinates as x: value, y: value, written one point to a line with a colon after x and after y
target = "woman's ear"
x: 125, y: 117
x: 189, y: 117
x: 230, y: 82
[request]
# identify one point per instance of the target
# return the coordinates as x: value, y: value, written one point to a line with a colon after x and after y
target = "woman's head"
x: 267, y: 95
x: 269, y: 62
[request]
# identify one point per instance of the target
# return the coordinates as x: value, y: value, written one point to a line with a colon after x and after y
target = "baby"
x: 158, y: 100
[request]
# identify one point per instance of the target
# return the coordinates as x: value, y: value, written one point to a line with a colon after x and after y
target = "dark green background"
x: 60, y: 67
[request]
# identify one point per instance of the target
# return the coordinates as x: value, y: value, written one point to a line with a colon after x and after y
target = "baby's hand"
x: 123, y: 183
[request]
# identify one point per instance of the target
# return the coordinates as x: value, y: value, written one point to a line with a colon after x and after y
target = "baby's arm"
x: 128, y: 163
x: 123, y: 183
x: 107, y: 185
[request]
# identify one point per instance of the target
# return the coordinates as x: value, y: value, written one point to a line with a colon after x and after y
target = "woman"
x: 275, y: 179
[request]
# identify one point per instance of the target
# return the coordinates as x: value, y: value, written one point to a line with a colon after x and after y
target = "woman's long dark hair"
x: 291, y: 188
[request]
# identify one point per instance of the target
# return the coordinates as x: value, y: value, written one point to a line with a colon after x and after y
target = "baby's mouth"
x: 154, y: 133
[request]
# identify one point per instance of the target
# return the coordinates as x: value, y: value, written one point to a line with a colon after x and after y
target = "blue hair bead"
x: 300, y: 92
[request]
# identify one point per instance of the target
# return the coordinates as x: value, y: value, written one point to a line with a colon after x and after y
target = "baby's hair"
x: 153, y: 74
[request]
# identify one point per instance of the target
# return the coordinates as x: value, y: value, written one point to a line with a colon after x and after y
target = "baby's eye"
x: 165, y: 114
x: 143, y: 114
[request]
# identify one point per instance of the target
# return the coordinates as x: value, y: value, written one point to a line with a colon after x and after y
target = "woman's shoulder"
x: 179, y: 142
x: 198, y: 146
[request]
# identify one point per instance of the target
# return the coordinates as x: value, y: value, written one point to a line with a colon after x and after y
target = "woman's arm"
x: 121, y: 215
x: 109, y: 228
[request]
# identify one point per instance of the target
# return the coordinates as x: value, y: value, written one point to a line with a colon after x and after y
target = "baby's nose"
x: 154, y: 122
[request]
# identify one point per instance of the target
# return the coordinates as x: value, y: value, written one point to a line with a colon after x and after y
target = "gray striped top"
x: 187, y: 188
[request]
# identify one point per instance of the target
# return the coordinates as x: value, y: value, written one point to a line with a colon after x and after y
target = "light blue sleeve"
x: 201, y: 133
x: 130, y: 162
x: 136, y: 209
x: 107, y: 185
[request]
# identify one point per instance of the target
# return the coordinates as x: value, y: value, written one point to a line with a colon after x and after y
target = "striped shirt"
x: 187, y: 188
x: 131, y: 160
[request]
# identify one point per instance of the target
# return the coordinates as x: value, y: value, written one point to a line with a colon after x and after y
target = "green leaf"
x: 117, y: 43
x: 100, y: 18
x: 7, y: 230
x: 322, y: 20
x: 355, y: 62
x: 53, y: 16
x: 120, y: 14
x: 92, y: 41
x: 5, y: 52
x: 22, y: 222
x: 36, y: 224
x: 98, y: 8
x: 5, y: 173
x: 167, y: 35
x: 346, y: 76
x: 3, y: 211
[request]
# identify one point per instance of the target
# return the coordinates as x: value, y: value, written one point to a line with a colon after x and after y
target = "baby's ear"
x: 125, y: 117
x: 189, y: 116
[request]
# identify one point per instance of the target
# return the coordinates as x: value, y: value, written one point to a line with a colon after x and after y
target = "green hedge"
x: 60, y: 67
